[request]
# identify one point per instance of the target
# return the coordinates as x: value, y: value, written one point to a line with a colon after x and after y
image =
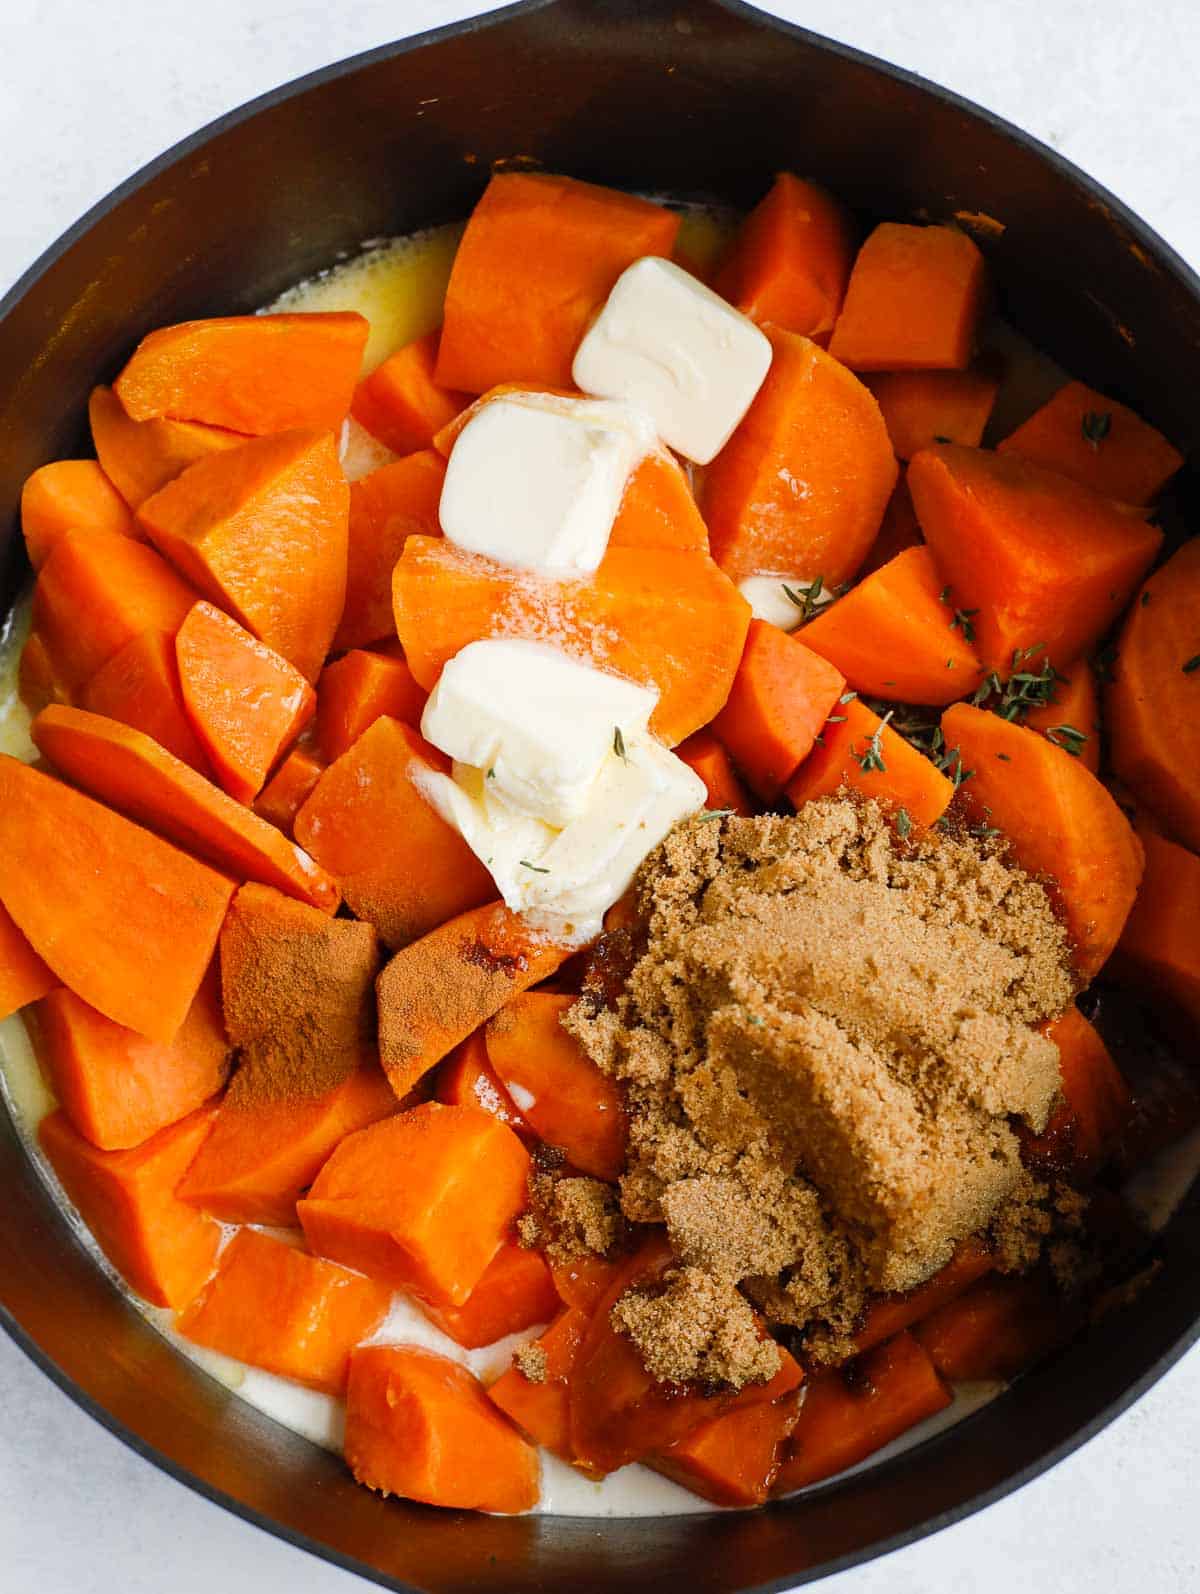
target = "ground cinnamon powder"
x: 822, y: 1045
x: 297, y: 988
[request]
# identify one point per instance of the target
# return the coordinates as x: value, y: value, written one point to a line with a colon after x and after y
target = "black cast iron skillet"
x: 688, y: 96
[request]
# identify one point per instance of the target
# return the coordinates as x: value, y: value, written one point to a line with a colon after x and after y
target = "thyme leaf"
x: 809, y: 600
x: 1192, y: 665
x: 715, y: 813
x: 903, y: 823
x: 872, y: 758
x: 619, y: 744
x: 536, y: 867
x: 1068, y: 738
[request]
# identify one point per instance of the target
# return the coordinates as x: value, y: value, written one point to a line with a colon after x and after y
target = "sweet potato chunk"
x: 434, y: 1231
x: 289, y: 788
x: 23, y: 975
x: 704, y: 754
x: 539, y: 255
x: 542, y: 1410
x: 262, y: 1156
x: 355, y: 691
x: 912, y: 302
x: 800, y: 488
x: 387, y: 507
x: 125, y: 920
x: 515, y: 1292
x: 422, y: 1427
x: 1032, y: 559
x: 298, y: 992
x: 847, y: 1416
x: 781, y: 697
x: 1098, y: 442
x: 70, y: 495
x: 261, y: 530
x: 140, y: 687
x: 246, y: 702
x: 1059, y: 820
x: 1159, y: 949
x: 734, y: 1459
x: 139, y: 457
x: 275, y: 1307
x: 569, y: 1103
x: 861, y: 751
x: 437, y: 990
x: 118, y: 1088
x: 163, y: 1249
x: 250, y: 373
x: 921, y: 408
x: 997, y: 1329
x: 123, y: 767
x: 791, y: 259
x: 95, y: 593
x: 401, y: 403
x: 1095, y: 1109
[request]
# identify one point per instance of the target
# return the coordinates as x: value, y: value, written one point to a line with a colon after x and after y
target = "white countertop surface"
x: 90, y: 93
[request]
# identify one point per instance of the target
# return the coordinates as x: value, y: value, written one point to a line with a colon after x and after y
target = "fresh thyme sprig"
x: 619, y: 744
x: 1095, y: 426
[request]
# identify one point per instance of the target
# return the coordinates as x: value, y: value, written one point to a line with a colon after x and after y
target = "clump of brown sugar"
x: 297, y: 988
x: 570, y: 1215
x: 822, y: 1046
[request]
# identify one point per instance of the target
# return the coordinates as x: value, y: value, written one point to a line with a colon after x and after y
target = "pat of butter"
x: 536, y: 480
x: 538, y: 723
x: 674, y: 348
x: 768, y: 599
x: 562, y: 881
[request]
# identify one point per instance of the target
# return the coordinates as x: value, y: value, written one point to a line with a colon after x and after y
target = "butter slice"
x: 668, y: 345
x: 538, y: 723
x: 536, y: 480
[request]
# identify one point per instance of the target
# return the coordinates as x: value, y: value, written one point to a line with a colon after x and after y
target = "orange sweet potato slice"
x: 542, y: 1410
x: 1098, y: 442
x: 118, y: 1088
x: 1152, y: 702
x: 583, y: 1280
x: 298, y: 992
x: 98, y: 591
x: 734, y: 1459
x: 467, y: 1079
x: 427, y: 873
x: 568, y: 1102
x: 704, y: 754
x: 38, y: 680
x: 893, y: 637
x: 294, y: 1315
x: 125, y: 920
x: 618, y: 1412
x: 262, y: 1156
x: 387, y: 507
x: 921, y: 408
x: 515, y: 1292
x: 163, y: 1249
x: 791, y: 258
x: 355, y: 690
x: 245, y: 701
x: 23, y: 975
x: 664, y: 617
x: 1074, y: 707
x: 401, y: 404
x: 539, y: 255
x: 248, y: 373
x: 781, y: 697
x: 1034, y: 560
x: 887, y: 1315
x: 1059, y: 820
x: 658, y: 509
x: 139, y: 457
x: 912, y: 302
x: 1159, y: 950
x: 434, y: 992
x: 801, y: 486
x: 860, y: 751
x: 899, y: 531
x: 140, y: 687
x: 1095, y: 1109
x: 434, y: 1231
x: 849, y: 1415
x: 421, y: 1427
x: 70, y: 495
x: 125, y: 768
x: 996, y: 1329
x: 289, y: 788
x: 261, y: 531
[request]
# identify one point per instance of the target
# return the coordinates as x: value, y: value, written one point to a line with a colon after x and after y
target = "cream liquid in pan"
x: 398, y: 285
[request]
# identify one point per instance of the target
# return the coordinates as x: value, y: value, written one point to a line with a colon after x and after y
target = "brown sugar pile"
x: 298, y: 992
x: 822, y: 1044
